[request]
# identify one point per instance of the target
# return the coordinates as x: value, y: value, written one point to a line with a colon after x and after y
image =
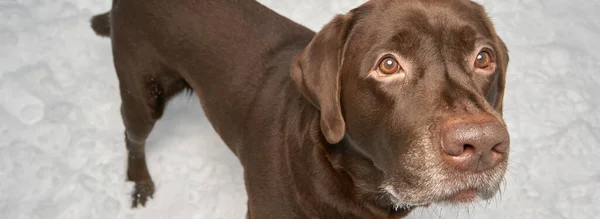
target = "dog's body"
x: 299, y: 162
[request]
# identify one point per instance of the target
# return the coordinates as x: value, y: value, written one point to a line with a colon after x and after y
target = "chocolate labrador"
x: 394, y: 105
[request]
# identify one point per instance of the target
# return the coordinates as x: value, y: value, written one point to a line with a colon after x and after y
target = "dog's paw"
x: 141, y: 192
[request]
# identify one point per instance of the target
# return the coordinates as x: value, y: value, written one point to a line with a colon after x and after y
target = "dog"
x: 394, y: 105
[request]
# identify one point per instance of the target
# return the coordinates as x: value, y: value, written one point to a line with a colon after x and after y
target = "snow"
x: 61, y: 141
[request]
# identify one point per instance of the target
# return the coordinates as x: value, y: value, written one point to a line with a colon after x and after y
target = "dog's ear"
x: 502, y: 62
x: 316, y: 72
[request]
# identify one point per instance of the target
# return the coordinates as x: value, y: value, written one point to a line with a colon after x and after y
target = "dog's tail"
x: 101, y: 24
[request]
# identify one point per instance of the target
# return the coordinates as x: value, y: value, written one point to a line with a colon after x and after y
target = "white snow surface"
x: 61, y: 136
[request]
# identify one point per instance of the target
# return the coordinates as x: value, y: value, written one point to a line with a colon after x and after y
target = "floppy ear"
x: 502, y: 62
x: 316, y: 72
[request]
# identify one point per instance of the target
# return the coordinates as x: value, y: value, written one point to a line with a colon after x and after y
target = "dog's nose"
x: 475, y: 146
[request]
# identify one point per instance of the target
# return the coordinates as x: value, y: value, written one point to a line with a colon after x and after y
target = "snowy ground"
x: 62, y: 155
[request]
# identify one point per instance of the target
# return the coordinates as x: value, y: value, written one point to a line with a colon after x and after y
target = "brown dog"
x: 394, y: 105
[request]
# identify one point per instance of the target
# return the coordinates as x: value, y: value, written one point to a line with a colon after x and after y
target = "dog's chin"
x: 466, y: 196
x: 452, y: 197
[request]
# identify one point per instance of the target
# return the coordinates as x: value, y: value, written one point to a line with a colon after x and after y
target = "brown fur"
x: 319, y: 133
x: 101, y: 24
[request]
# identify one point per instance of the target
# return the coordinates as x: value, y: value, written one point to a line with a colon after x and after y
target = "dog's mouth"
x: 435, y: 187
x: 464, y: 196
x: 457, y: 196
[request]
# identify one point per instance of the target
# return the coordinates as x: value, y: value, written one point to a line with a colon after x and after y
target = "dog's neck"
x: 367, y: 178
x: 341, y: 176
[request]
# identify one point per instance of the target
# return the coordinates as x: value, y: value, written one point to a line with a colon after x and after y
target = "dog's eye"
x: 389, y: 66
x: 483, y: 60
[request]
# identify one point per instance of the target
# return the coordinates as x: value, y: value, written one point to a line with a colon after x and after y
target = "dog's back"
x: 210, y: 46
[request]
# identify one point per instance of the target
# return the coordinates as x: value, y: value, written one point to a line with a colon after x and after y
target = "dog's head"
x: 416, y: 87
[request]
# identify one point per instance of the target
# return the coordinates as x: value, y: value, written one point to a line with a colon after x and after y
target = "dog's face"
x: 416, y: 86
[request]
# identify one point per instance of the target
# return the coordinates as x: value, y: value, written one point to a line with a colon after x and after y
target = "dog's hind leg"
x: 145, y: 88
x: 146, y: 84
